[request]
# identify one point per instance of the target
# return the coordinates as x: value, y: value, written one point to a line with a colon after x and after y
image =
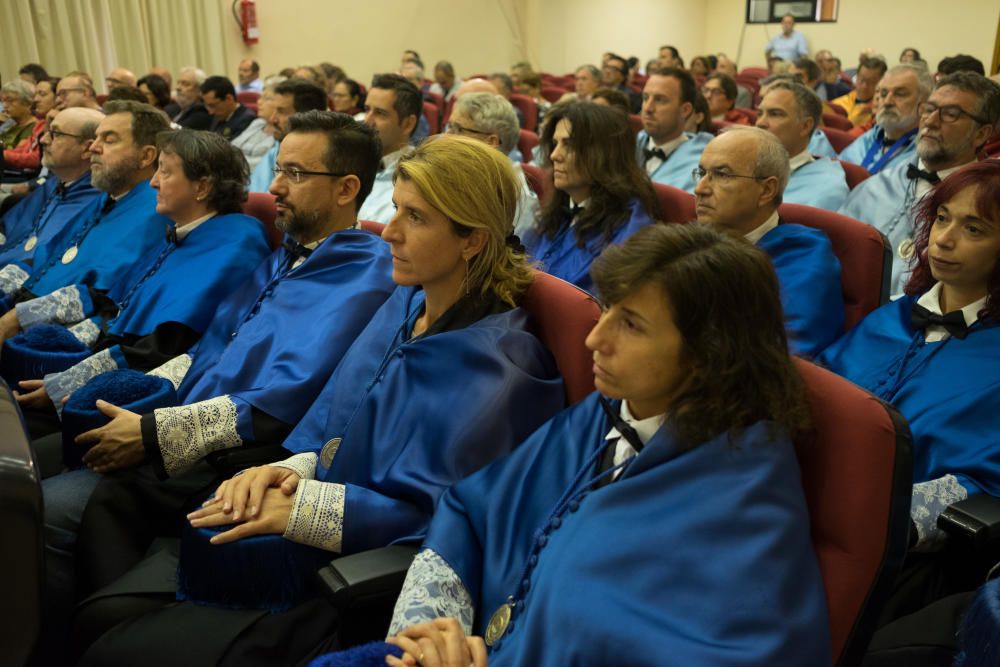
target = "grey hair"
x: 199, y: 74
x: 925, y: 83
x: 87, y: 131
x: 493, y: 114
x: 806, y: 101
x: 594, y: 72
x: 22, y: 89
x: 986, y: 90
x: 772, y: 158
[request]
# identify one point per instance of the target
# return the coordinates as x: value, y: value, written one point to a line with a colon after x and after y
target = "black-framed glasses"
x: 454, y: 128
x: 55, y: 134
x: 294, y: 174
x: 717, y: 175
x: 708, y: 92
x: 950, y: 113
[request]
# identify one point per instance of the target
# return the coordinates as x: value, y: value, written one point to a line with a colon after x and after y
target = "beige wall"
x: 937, y: 29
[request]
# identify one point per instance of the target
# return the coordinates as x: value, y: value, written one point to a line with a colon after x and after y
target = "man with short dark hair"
x: 955, y: 123
x: 667, y: 153
x: 248, y: 76
x: 445, y: 83
x: 720, y: 92
x: 230, y: 118
x: 76, y: 89
x: 831, y: 85
x: 858, y: 102
x: 723, y: 65
x: 670, y: 57
x: 393, y: 107
x: 614, y: 74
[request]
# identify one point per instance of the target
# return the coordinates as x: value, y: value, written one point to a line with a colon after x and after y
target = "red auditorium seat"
x: 529, y: 111
x: 835, y: 120
x: 372, y: 226
x: 675, y: 204
x: 838, y: 138
x: 260, y: 205
x: 248, y: 97
x: 553, y: 93
x: 753, y: 72
x: 719, y: 125
x: 865, y: 259
x: 539, y: 180
x: 635, y: 121
x: 432, y: 116
x: 749, y: 114
x: 856, y: 473
x: 101, y: 99
x: 837, y: 109
x: 855, y: 173
x: 526, y: 141
x: 436, y: 100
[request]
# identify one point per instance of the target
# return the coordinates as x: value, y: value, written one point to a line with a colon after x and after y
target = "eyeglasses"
x: 708, y: 92
x: 295, y: 174
x: 455, y: 128
x: 66, y: 91
x: 55, y: 134
x: 716, y: 174
x: 950, y: 113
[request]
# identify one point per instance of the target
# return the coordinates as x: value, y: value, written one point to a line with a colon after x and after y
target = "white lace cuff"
x: 60, y: 385
x: 317, y: 517
x: 188, y: 433
x: 930, y: 500
x: 303, y: 465
x: 174, y: 370
x: 87, y: 332
x: 431, y: 590
x: 12, y: 277
x: 63, y: 306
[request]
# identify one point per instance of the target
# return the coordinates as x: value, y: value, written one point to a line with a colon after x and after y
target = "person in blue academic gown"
x: 163, y: 305
x: 662, y: 519
x: 820, y: 146
x: 601, y: 195
x: 743, y: 172
x: 453, y: 341
x: 933, y: 355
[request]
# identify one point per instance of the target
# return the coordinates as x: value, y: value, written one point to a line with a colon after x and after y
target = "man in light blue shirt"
x: 789, y: 45
x: 292, y: 96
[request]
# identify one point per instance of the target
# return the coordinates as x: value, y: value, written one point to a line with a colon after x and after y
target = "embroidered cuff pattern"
x: 303, y: 465
x: 12, y: 277
x: 87, y: 332
x: 930, y: 500
x: 431, y: 590
x: 317, y: 517
x: 174, y: 370
x: 60, y: 385
x: 63, y: 306
x: 187, y: 433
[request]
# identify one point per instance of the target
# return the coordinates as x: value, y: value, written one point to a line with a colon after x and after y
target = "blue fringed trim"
x: 47, y: 348
x: 258, y: 572
x: 365, y: 655
x: 979, y: 637
x: 125, y: 388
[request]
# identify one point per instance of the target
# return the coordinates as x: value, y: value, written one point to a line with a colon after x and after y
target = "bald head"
x: 164, y: 74
x: 119, y: 77
x: 67, y: 143
x: 476, y: 86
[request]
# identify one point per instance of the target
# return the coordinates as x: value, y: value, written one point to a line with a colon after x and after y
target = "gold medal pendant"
x: 69, y: 255
x: 328, y: 452
x: 498, y: 623
x: 32, y: 242
x: 906, y: 248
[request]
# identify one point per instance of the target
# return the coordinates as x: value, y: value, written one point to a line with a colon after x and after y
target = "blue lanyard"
x: 869, y: 162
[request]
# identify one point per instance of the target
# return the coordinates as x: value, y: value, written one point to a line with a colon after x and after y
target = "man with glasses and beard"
x: 955, y: 123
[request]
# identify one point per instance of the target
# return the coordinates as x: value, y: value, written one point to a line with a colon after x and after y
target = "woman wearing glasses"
x: 601, y: 194
x: 933, y: 354
x: 445, y: 378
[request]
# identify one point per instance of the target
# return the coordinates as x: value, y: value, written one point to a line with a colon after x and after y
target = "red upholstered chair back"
x: 539, y: 181
x: 372, y: 226
x: 755, y: 72
x: 675, y: 204
x: 749, y: 114
x: 564, y: 314
x: 432, y: 116
x: 436, y: 100
x: 856, y: 474
x: 837, y: 109
x: 260, y: 205
x: 855, y: 173
x: 553, y: 93
x: 865, y: 262
x: 839, y: 139
x: 529, y: 110
x: 248, y: 97
x: 526, y: 141
x: 635, y: 121
x: 835, y: 120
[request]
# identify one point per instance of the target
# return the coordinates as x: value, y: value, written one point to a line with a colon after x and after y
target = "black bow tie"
x: 172, y: 235
x: 953, y: 322
x: 296, y: 249
x: 570, y: 210
x: 656, y: 152
x: 914, y: 172
x: 60, y: 189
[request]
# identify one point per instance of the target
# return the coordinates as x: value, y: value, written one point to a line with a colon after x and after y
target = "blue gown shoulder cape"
x: 275, y: 341
x: 190, y: 278
x: 44, y: 212
x: 949, y: 391
x: 858, y: 150
x: 130, y: 230
x: 563, y: 258
x: 811, y: 292
x: 676, y: 171
x: 692, y: 557
x: 415, y: 416
x: 821, y: 183
x: 821, y: 146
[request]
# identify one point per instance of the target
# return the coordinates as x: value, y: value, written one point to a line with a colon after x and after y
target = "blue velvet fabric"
x: 694, y: 556
x: 43, y: 213
x: 811, y: 291
x: 949, y: 391
x: 109, y: 249
x: 366, y: 655
x: 676, y: 171
x: 184, y: 282
x: 277, y: 338
x: 47, y: 348
x: 416, y: 415
x: 821, y: 183
x: 563, y: 258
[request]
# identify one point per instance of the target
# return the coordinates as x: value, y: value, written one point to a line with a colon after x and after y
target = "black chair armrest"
x: 974, y: 523
x: 367, y: 578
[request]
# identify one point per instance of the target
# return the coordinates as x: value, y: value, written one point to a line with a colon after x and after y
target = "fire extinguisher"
x: 246, y: 17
